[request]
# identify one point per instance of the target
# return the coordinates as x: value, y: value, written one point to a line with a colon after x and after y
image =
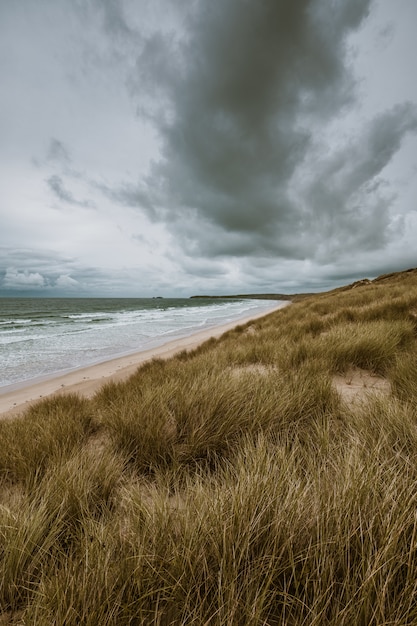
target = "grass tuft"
x: 47, y: 433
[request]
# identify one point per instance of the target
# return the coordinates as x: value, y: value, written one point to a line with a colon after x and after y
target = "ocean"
x: 43, y: 337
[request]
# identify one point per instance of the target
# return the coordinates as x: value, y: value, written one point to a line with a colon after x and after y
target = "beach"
x: 87, y: 380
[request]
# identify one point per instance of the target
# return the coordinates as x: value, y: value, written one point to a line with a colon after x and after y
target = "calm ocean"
x: 40, y: 337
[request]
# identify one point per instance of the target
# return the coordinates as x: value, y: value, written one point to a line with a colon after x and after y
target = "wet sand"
x: 87, y: 380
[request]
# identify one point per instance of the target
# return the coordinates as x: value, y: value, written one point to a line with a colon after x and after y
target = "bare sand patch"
x: 252, y: 368
x: 357, y: 384
x: 98, y: 442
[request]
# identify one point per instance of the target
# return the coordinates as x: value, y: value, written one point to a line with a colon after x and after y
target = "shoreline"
x: 87, y: 380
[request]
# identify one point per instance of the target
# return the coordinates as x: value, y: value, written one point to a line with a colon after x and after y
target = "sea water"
x: 42, y: 337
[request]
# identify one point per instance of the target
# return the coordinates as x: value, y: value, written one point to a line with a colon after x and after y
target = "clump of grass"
x: 46, y: 527
x: 404, y: 376
x: 141, y: 428
x: 185, y: 422
x: 82, y: 487
x: 28, y: 536
x: 47, y: 433
x: 372, y: 346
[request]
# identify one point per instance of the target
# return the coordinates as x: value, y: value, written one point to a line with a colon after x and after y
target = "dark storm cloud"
x: 243, y: 141
x: 240, y: 103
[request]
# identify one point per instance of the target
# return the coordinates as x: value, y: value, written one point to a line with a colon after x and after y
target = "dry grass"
x: 231, y: 485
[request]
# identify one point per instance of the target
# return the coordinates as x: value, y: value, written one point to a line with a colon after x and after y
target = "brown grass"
x: 237, y: 484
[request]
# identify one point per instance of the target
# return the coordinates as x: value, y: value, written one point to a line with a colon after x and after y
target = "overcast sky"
x: 175, y: 147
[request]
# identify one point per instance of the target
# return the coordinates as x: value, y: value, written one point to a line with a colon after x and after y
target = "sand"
x: 87, y: 380
x: 356, y: 385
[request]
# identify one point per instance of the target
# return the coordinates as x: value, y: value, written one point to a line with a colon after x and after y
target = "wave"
x: 60, y: 339
x: 17, y: 322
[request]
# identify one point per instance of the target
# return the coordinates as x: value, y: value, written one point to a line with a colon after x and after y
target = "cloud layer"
x: 206, y: 146
x: 249, y: 95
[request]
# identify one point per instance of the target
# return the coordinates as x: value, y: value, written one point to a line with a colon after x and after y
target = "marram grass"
x: 230, y: 485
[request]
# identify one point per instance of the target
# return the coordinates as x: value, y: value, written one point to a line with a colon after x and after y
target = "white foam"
x: 46, y: 346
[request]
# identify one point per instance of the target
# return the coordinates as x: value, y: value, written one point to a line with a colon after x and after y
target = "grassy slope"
x: 226, y: 486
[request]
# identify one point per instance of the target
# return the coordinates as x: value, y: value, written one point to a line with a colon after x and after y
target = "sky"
x: 180, y: 147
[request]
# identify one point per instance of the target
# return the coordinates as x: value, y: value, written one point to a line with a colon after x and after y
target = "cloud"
x: 243, y: 103
x: 32, y: 270
x: 22, y: 279
x: 25, y: 259
x: 66, y: 282
x: 343, y: 197
x: 128, y: 194
x: 58, y: 152
x: 56, y: 185
x: 247, y: 142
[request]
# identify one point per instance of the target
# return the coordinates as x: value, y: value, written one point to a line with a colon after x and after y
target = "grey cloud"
x: 30, y: 272
x: 58, y: 157
x: 204, y: 268
x: 115, y: 36
x: 114, y: 19
x: 239, y: 88
x: 128, y: 194
x: 26, y: 259
x: 28, y: 269
x: 58, y: 152
x: 244, y: 166
x: 22, y: 279
x: 246, y: 93
x: 65, y: 281
x: 111, y: 15
x: 346, y: 200
x: 56, y: 185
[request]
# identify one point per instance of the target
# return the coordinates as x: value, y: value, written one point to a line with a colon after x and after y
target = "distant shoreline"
x: 294, y: 297
x: 87, y: 380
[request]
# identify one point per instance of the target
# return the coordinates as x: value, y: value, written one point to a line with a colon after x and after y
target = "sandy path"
x: 88, y: 380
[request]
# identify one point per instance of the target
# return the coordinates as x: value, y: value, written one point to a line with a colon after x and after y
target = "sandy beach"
x: 87, y: 380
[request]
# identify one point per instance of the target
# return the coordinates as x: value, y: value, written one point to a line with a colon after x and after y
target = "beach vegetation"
x: 268, y: 477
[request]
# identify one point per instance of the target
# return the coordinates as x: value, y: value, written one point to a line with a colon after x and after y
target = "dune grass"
x: 231, y: 485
